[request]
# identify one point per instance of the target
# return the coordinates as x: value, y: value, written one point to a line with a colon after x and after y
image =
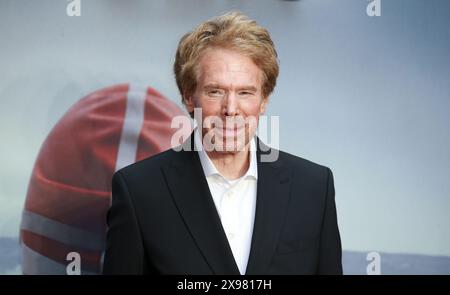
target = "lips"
x: 229, y: 132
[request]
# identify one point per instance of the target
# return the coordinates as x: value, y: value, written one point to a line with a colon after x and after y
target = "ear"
x: 189, y: 102
x: 262, y: 107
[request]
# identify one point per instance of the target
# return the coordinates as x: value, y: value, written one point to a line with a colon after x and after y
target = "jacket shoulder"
x: 149, y: 165
x: 302, y: 165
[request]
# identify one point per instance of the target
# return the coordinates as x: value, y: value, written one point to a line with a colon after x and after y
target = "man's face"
x: 229, y: 92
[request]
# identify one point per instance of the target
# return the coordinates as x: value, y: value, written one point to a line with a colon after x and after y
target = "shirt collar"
x: 208, y: 166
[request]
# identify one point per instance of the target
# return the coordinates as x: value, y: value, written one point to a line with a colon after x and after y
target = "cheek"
x: 251, y: 108
x: 209, y: 107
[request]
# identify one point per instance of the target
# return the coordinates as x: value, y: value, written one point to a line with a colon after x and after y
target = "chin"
x: 234, y: 145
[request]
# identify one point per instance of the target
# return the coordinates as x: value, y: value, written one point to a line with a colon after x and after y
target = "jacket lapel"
x: 273, y: 192
x: 191, y: 194
x: 190, y: 191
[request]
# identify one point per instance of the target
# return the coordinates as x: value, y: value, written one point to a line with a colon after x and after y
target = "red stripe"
x: 90, y: 260
x: 79, y: 209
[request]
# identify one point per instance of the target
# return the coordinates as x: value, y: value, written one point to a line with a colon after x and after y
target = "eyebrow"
x: 239, y: 88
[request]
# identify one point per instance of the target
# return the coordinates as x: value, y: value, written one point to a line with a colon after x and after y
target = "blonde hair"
x: 234, y: 31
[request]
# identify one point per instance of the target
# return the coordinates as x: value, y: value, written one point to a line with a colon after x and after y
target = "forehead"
x: 224, y: 66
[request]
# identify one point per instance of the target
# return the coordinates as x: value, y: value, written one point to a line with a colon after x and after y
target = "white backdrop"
x: 367, y: 96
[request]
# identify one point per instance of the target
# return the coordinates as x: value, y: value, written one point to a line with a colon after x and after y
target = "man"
x: 215, y: 206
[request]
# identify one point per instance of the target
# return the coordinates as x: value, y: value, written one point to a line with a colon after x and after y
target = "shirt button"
x: 231, y: 236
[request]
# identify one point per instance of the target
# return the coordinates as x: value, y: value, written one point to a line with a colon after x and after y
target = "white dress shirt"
x: 235, y: 202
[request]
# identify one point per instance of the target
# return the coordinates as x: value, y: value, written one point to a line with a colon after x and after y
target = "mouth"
x: 229, y: 132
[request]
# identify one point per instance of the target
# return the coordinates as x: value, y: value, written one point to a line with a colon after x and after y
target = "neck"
x: 231, y: 165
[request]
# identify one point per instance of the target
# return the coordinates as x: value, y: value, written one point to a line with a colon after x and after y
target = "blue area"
x: 10, y: 254
x: 354, y: 263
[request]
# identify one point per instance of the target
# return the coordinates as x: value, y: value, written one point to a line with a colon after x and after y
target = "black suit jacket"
x: 163, y: 219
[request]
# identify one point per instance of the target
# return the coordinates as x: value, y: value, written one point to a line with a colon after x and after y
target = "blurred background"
x: 368, y: 97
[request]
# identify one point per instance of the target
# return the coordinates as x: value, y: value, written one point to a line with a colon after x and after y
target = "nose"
x: 230, y: 105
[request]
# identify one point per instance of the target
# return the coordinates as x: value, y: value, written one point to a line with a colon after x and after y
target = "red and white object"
x: 70, y: 187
